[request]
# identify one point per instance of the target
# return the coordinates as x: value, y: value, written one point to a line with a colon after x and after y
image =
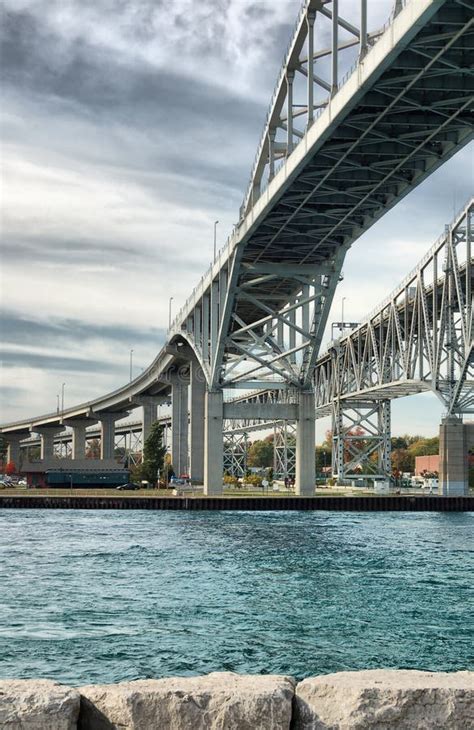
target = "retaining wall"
x: 367, y: 700
x: 398, y: 503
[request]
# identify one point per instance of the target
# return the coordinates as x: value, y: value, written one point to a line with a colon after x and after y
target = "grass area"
x: 196, y: 492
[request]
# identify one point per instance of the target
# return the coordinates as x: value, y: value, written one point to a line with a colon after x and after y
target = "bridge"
x: 337, y: 152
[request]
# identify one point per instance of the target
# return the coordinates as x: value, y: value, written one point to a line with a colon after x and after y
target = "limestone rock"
x: 385, y: 700
x: 37, y: 704
x: 217, y: 701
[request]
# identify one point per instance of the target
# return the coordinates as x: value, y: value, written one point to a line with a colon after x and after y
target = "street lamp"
x: 215, y: 238
x: 131, y: 364
x: 169, y: 313
x: 62, y: 398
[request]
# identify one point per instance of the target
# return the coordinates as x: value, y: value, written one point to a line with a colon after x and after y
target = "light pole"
x: 57, y: 403
x: 215, y: 238
x: 62, y: 398
x: 131, y: 364
x: 342, y: 315
x: 169, y: 313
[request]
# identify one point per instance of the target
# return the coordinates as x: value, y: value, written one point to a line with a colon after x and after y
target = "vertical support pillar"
x: 47, y: 434
x: 78, y: 446
x: 290, y: 75
x: 310, y: 22
x: 13, y: 448
x: 197, y: 416
x: 385, y: 452
x: 334, y: 45
x: 453, y: 465
x: 213, y: 445
x: 179, y: 425
x: 149, y: 415
x: 305, y: 445
x: 107, y: 434
x: 337, y: 441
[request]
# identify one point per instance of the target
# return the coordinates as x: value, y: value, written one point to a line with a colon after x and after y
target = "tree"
x: 402, y: 461
x: 260, y: 453
x: 322, y: 457
x: 425, y: 447
x: 153, y: 453
x: 93, y: 449
x: 10, y: 468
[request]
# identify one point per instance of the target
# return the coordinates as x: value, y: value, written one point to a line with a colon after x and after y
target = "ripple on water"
x: 106, y: 596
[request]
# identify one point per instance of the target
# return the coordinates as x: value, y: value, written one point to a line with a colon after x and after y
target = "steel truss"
x: 361, y: 439
x: 363, y: 141
x: 419, y: 339
x: 237, y: 442
x: 284, y: 450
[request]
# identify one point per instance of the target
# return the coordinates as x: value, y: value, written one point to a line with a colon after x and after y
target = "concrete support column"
x: 47, y: 434
x: 453, y: 465
x: 78, y: 445
x: 13, y: 448
x: 197, y: 416
x: 305, y: 445
x: 179, y: 425
x: 213, y: 443
x: 148, y: 418
x: 107, y: 434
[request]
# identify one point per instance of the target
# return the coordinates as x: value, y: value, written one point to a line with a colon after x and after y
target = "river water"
x: 92, y: 596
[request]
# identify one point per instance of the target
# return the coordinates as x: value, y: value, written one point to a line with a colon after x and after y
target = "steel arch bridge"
x: 337, y: 151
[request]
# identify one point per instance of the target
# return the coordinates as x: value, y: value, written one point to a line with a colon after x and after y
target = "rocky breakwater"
x: 367, y: 700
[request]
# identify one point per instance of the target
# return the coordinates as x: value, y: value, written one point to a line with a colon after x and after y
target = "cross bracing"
x: 260, y: 312
x: 420, y: 338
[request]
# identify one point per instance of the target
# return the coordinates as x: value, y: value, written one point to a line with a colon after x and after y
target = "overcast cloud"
x: 128, y: 127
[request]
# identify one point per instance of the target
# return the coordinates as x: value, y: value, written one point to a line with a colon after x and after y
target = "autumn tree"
x: 260, y: 453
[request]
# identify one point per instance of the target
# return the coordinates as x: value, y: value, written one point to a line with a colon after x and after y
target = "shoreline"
x: 388, y: 698
x: 372, y: 503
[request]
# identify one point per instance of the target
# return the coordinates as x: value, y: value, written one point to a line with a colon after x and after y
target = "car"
x: 177, y: 481
x: 130, y: 486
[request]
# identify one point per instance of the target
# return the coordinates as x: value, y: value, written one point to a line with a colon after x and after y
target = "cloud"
x: 128, y: 127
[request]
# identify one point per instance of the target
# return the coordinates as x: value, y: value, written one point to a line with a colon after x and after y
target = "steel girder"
x: 420, y: 338
x: 361, y: 439
x: 258, y: 315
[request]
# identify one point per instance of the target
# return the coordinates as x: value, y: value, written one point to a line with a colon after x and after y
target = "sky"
x: 127, y: 128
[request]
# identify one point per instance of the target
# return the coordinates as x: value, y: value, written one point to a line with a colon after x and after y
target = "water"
x: 105, y: 596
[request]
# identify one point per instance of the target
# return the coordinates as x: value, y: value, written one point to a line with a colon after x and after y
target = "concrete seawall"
x: 398, y: 503
x: 366, y: 700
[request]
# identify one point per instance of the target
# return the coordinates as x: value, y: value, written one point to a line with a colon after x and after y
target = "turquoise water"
x: 105, y: 596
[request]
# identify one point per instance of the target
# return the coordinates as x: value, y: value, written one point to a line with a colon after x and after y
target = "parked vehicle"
x: 129, y: 487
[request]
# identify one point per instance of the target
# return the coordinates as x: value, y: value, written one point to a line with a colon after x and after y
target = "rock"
x: 217, y: 701
x: 37, y: 704
x: 385, y: 700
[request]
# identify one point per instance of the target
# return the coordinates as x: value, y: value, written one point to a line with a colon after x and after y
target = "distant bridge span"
x: 335, y: 155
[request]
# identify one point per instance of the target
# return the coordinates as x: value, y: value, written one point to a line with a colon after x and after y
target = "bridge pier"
x: 78, y: 445
x: 179, y: 424
x: 107, y: 433
x: 197, y: 418
x: 47, y: 434
x: 13, y: 447
x: 305, y: 445
x: 453, y: 462
x: 213, y: 442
